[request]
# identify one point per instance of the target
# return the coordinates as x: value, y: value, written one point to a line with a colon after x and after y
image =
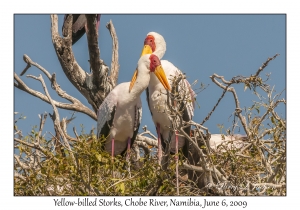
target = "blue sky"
x: 212, y: 55
x: 199, y: 45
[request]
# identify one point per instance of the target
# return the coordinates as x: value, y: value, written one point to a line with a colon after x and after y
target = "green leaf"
x: 122, y: 187
x: 273, y: 120
x: 99, y: 157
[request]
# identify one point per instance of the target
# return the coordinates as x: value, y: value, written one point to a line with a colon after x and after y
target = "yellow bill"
x: 133, y: 79
x: 160, y: 74
x: 146, y: 50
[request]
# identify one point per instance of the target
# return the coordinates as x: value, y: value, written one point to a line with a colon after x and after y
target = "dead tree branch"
x: 115, y: 54
x: 94, y: 87
x: 55, y: 116
x: 75, y: 104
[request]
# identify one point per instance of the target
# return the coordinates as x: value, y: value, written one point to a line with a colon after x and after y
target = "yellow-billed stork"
x: 119, y: 115
x: 156, y: 97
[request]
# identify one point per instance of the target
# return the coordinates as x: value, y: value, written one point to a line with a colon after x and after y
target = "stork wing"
x: 138, y: 115
x: 185, y: 85
x: 98, y: 20
x: 147, y: 95
x: 78, y: 29
x: 191, y: 105
x: 78, y: 23
x: 64, y: 29
x: 137, y: 122
x: 106, y: 113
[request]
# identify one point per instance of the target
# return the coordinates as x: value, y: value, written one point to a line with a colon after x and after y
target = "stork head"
x: 154, y: 43
x: 150, y: 64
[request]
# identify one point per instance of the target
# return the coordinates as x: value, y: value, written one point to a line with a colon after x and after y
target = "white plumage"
x: 156, y: 95
x: 119, y: 115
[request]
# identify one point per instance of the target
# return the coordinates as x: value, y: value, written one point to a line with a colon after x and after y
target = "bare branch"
x: 93, y: 88
x: 144, y: 146
x: 192, y: 167
x: 34, y: 146
x: 238, y: 110
x: 214, y: 108
x: 265, y: 65
x: 94, y: 51
x: 63, y: 124
x: 147, y: 140
x: 55, y: 116
x: 42, y: 122
x: 75, y: 106
x: 19, y: 176
x: 115, y: 55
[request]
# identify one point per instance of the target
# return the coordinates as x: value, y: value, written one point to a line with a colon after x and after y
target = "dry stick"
x: 64, y: 129
x: 75, y: 132
x: 270, y: 179
x: 20, y: 163
x: 42, y: 122
x: 85, y: 83
x: 136, y: 151
x: 202, y: 156
x: 219, y: 100
x: 55, y: 116
x: 265, y: 65
x: 207, y: 144
x: 147, y: 140
x: 275, y: 115
x: 238, y: 110
x: 39, y: 136
x: 35, y: 146
x: 115, y: 55
x: 148, y: 132
x: 144, y: 146
x: 75, y: 105
x: 19, y: 176
x: 271, y: 108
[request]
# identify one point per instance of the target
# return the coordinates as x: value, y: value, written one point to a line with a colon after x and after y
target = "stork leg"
x: 159, y: 152
x: 112, y: 149
x: 128, y: 149
x: 112, y: 155
x: 176, y: 159
x: 128, y: 154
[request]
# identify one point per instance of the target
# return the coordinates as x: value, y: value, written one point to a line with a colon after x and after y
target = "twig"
x: 265, y: 65
x: 213, y: 109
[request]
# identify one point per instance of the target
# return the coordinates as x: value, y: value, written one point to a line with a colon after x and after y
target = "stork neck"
x: 160, y: 51
x: 141, y: 83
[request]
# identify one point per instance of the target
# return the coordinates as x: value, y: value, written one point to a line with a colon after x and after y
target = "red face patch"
x: 154, y: 62
x: 150, y: 40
